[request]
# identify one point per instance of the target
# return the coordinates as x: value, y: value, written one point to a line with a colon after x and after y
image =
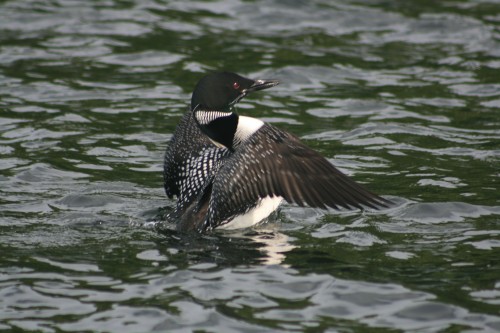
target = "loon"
x: 230, y: 171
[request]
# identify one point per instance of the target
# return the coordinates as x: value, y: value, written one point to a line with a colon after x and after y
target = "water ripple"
x: 402, y: 96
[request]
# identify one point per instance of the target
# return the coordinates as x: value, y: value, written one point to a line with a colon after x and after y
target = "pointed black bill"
x: 261, y: 85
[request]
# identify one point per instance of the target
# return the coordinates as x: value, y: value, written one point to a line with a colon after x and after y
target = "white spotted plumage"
x: 205, y: 117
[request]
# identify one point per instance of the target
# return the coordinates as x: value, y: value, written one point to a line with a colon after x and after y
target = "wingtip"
x: 379, y: 203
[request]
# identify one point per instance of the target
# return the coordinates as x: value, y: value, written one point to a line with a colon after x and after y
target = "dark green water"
x: 401, y: 95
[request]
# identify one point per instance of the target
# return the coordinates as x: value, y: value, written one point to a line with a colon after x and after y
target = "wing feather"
x: 275, y: 163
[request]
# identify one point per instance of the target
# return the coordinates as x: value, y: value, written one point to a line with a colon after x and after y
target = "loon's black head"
x: 220, y: 91
x: 212, y: 102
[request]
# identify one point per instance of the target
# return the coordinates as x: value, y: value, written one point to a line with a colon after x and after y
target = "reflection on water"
x: 273, y: 245
x: 402, y: 96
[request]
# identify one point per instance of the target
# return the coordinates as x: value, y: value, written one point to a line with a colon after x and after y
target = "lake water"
x: 404, y: 96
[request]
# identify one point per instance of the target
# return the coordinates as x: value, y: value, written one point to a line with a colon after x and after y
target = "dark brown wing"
x: 275, y: 163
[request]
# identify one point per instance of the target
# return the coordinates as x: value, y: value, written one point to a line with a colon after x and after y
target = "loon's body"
x: 231, y: 171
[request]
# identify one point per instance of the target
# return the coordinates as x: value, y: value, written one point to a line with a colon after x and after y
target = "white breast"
x: 246, y: 127
x: 263, y: 209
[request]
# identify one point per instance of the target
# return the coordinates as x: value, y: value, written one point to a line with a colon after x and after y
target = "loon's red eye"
x: 236, y: 85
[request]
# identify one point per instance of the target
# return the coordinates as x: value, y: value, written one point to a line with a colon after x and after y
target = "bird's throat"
x: 227, y: 129
x: 219, y: 126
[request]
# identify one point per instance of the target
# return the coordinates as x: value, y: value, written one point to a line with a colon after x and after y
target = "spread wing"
x: 275, y: 163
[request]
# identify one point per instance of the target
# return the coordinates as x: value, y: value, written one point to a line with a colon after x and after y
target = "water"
x: 402, y: 95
